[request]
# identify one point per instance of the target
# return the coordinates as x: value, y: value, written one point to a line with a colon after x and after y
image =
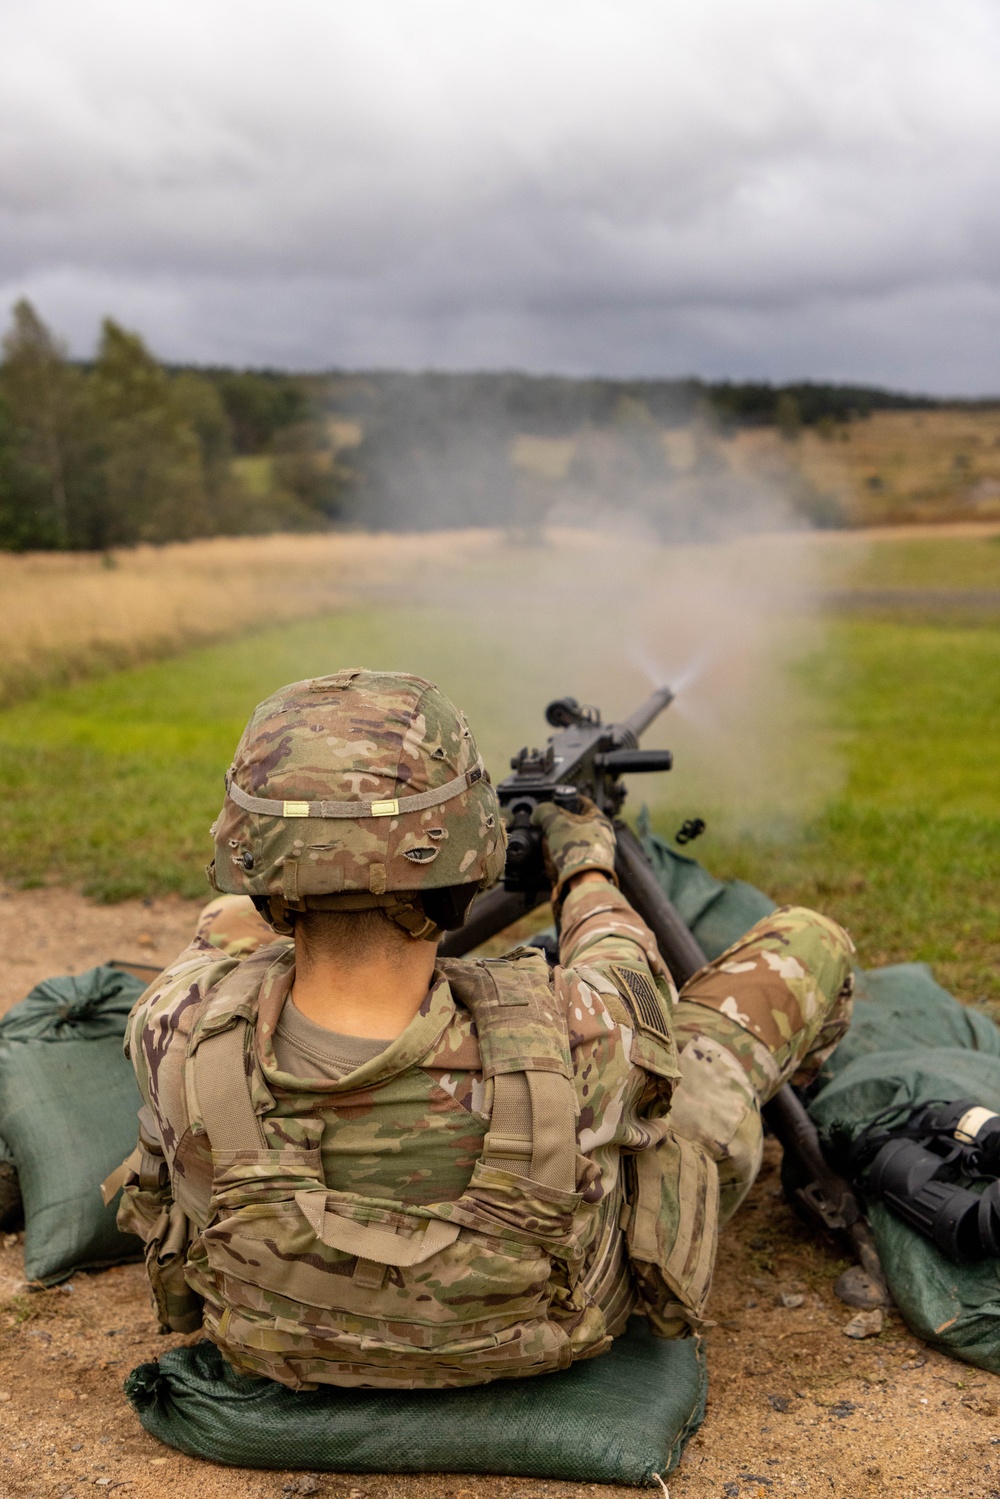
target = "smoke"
x: 733, y: 625
x: 635, y: 551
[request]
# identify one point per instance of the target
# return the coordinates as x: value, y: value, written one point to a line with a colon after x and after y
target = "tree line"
x: 123, y: 449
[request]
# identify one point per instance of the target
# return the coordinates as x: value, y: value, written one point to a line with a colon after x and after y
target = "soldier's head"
x: 355, y: 800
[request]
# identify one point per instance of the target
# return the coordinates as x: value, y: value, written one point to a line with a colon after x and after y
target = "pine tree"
x: 153, y: 465
x: 37, y: 389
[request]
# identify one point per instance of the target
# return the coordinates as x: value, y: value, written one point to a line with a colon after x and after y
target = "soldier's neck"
x: 375, y: 997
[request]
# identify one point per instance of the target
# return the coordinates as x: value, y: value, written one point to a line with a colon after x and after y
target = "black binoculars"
x: 915, y: 1169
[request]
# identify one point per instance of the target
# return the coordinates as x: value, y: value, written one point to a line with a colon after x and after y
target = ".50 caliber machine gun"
x: 588, y: 757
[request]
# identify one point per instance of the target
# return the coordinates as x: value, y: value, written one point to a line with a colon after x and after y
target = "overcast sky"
x: 777, y: 188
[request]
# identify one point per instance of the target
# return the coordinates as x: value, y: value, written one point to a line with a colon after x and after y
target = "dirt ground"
x: 796, y: 1408
x: 43, y: 933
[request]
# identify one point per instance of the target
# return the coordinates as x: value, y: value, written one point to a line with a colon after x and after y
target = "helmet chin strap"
x: 405, y: 911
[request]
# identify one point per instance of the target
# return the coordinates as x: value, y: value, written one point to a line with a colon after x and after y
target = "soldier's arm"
x: 598, y: 927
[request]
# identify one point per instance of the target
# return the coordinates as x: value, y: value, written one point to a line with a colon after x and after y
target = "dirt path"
x: 795, y: 1407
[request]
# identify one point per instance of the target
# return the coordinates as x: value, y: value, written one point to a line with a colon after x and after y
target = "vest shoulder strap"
x: 222, y: 1086
x: 236, y: 994
x: 518, y: 1014
x: 220, y: 1051
x: 524, y: 1047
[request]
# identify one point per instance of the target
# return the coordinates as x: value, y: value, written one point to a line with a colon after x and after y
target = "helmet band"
x: 395, y: 807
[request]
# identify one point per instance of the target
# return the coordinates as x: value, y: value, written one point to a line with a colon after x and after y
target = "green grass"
x: 907, y: 855
x: 112, y: 784
x: 916, y: 562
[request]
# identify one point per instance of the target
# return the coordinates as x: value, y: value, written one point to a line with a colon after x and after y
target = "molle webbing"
x: 524, y: 1048
x: 385, y: 807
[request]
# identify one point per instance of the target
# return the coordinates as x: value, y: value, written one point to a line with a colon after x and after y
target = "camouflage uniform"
x: 383, y: 1229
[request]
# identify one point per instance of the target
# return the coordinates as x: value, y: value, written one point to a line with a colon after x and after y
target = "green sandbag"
x: 68, y: 1104
x: 903, y: 1079
x: 619, y: 1418
x: 951, y: 1053
x: 718, y: 912
x: 955, y: 1308
x: 905, y: 1005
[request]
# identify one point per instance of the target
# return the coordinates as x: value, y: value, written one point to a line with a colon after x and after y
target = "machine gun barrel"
x: 632, y: 728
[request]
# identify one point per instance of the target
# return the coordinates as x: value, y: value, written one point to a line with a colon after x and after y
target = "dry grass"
x: 897, y: 466
x: 67, y: 616
x: 892, y: 468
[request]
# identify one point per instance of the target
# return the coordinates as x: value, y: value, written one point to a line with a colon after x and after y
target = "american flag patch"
x: 641, y: 1000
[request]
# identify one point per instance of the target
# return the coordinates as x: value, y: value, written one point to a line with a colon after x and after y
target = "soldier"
x: 363, y: 1164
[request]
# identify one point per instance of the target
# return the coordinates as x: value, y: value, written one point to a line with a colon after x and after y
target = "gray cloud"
x: 745, y: 187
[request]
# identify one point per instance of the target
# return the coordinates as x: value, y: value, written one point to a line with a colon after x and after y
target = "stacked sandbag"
x: 68, y: 1104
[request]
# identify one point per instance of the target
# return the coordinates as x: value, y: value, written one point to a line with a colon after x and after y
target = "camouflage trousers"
x: 767, y: 1012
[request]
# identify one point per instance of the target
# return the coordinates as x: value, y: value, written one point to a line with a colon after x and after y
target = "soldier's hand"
x: 573, y: 842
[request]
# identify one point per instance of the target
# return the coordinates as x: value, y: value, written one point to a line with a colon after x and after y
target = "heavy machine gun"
x: 583, y: 756
x: 586, y: 756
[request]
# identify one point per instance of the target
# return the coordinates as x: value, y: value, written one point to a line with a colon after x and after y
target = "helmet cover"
x: 358, y: 782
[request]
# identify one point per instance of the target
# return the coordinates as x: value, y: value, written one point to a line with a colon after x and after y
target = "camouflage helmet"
x: 355, y: 785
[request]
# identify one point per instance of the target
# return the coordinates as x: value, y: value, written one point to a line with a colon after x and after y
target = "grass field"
x: 112, y: 783
x: 908, y: 854
x: 67, y: 616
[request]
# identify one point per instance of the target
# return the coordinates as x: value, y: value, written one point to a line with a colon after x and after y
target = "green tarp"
x: 620, y: 1418
x: 906, y: 1005
x: 911, y: 1043
x: 717, y: 911
x: 68, y: 1103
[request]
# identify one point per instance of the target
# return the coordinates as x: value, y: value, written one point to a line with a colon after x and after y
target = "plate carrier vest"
x: 310, y: 1286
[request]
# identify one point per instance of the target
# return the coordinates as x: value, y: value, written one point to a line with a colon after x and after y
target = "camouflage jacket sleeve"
x: 600, y: 928
x: 607, y: 946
